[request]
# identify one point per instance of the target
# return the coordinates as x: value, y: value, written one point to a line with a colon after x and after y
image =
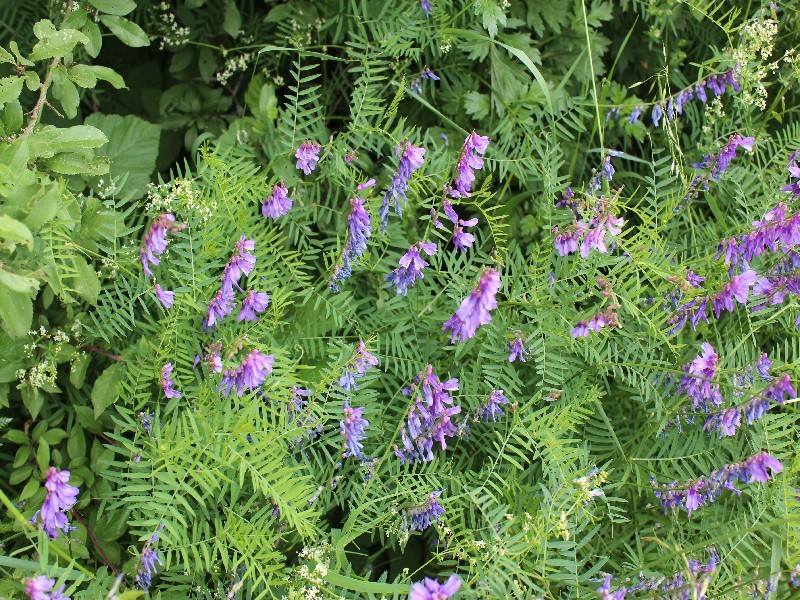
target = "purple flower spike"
x: 254, y: 303
x: 358, y: 234
x: 430, y: 589
x: 249, y: 375
x: 461, y: 239
x: 490, y: 409
x: 736, y: 289
x: 410, y: 269
x: 167, y: 382
x: 165, y: 297
x: 411, y: 159
x: 278, y: 203
x: 426, y: 8
x: 307, y: 156
x: 693, y: 495
x: 604, y: 591
x: 794, y: 170
x: 358, y: 365
x: 220, y: 307
x: 60, y: 497
x: 352, y: 429
x: 474, y: 310
x: 155, y: 240
x: 517, y: 350
x: 421, y: 516
x: 429, y: 418
x: 242, y: 262
x: 148, y: 560
x: 41, y: 588
x: 468, y: 162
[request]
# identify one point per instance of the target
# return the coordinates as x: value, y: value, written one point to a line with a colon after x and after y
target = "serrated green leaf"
x: 92, y: 32
x: 53, y: 42
x: 232, y: 23
x: 114, y: 7
x: 10, y: 89
x: 13, y: 232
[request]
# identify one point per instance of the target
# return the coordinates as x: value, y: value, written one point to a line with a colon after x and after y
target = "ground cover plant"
x: 406, y: 299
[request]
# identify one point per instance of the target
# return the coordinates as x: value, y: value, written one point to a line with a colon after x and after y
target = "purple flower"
x: 249, y: 375
x: 220, y: 307
x: 420, y: 516
x: 658, y: 112
x: 736, y: 289
x: 604, y: 591
x: 164, y: 296
x: 426, y: 8
x: 253, y: 304
x: 148, y: 560
x: 242, y: 262
x: 607, y: 317
x: 778, y: 388
x: 468, y: 162
x: 352, y: 429
x: 716, y: 164
x: 367, y: 184
x: 429, y: 418
x: 411, y: 159
x: 794, y: 170
x: 40, y: 588
x: 60, y: 497
x: 213, y: 357
x: 278, y: 203
x: 307, y: 156
x: 490, y: 409
x: 724, y: 423
x: 694, y: 494
x: 474, y: 309
x: 167, y: 382
x: 517, y: 350
x: 635, y: 114
x: 155, y: 240
x: 358, y: 234
x: 430, y: 589
x: 698, y: 381
x: 356, y: 367
x: 410, y: 269
x: 461, y: 239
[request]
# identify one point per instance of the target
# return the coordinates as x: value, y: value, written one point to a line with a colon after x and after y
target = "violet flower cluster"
x: 410, y: 269
x: 167, y: 383
x: 431, y: 589
x: 716, y: 165
x: 468, y: 163
x: 167, y: 298
x: 307, y: 156
x: 429, y: 418
x: 794, y: 170
x: 490, y: 408
x: 356, y: 367
x: 242, y: 262
x: 777, y: 231
x: 684, y: 585
x: 516, y: 349
x: 155, y: 240
x: 352, y: 429
x: 695, y: 494
x: 474, y: 309
x: 703, y: 91
x: 278, y: 203
x: 249, y: 375
x: 147, y: 561
x: 416, y: 84
x: 41, y: 588
x: 253, y: 304
x: 357, y: 236
x: 60, y: 498
x: 461, y: 238
x: 300, y: 415
x: 420, y: 516
x: 411, y: 159
x: 606, y: 317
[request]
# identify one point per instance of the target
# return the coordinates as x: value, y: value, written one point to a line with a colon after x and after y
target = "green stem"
x: 28, y: 527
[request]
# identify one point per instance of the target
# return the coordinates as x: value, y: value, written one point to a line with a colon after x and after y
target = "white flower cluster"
x: 180, y: 194
x: 172, y: 35
x: 311, y: 581
x: 758, y: 43
x: 234, y: 65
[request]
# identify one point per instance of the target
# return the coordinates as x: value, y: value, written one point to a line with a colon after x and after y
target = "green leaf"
x: 15, y: 436
x: 114, y: 7
x: 67, y: 94
x: 127, y: 32
x: 476, y: 104
x: 53, y: 42
x: 49, y: 141
x: 491, y: 14
x: 76, y: 444
x: 233, y: 20
x: 77, y: 370
x: 14, y: 232
x: 10, y: 89
x: 12, y: 117
x: 18, y: 283
x: 104, y: 391
x: 43, y: 455
x: 132, y: 149
x: 95, y: 43
x: 87, y: 284
x: 16, y: 311
x: 73, y: 163
x: 86, y: 76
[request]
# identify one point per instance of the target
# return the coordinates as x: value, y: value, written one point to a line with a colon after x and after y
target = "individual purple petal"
x: 164, y: 296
